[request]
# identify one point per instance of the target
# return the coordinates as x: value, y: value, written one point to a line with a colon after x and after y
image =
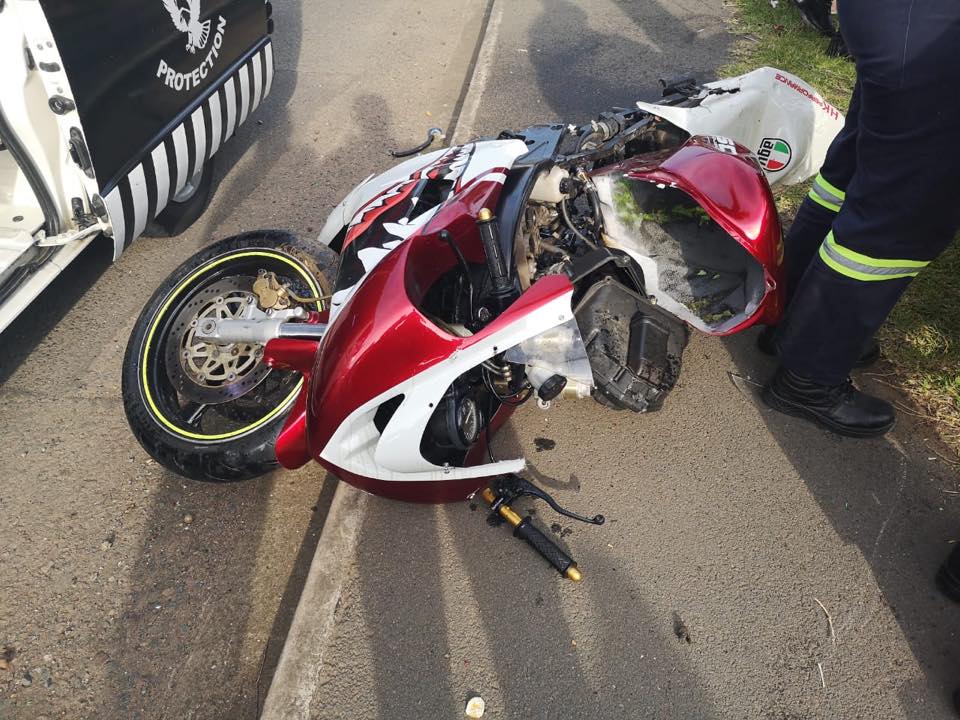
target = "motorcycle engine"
x: 634, y: 347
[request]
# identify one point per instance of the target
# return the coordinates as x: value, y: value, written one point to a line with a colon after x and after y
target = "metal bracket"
x: 68, y: 237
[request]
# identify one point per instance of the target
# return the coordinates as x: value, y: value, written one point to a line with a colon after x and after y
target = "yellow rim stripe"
x: 161, y: 313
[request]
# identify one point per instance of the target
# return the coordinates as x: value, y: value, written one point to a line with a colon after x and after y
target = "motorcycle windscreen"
x: 692, y: 267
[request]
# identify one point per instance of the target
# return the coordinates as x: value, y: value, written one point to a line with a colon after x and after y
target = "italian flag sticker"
x: 774, y: 154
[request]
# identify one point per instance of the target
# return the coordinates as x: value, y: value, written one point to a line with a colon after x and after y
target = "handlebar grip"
x: 564, y: 564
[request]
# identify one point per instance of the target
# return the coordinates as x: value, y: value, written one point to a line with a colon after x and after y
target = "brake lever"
x: 509, y: 487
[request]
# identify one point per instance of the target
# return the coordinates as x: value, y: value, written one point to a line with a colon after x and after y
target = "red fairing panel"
x: 726, y: 181
x: 299, y: 355
x: 380, y: 340
x: 359, y: 362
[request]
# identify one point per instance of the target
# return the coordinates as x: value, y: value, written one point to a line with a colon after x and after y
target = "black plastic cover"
x: 634, y: 347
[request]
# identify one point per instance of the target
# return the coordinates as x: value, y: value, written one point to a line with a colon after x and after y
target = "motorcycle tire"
x: 211, y: 412
x: 180, y: 214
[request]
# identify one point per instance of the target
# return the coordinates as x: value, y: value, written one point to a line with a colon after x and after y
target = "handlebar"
x: 524, y: 529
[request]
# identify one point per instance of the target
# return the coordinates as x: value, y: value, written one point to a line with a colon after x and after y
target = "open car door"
x: 110, y: 114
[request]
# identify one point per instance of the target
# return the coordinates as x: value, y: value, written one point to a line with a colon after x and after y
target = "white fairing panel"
x: 474, y: 162
x: 363, y: 193
x: 359, y: 448
x: 785, y: 122
x: 478, y: 158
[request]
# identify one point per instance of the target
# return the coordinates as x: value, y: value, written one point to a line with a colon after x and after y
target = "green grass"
x: 922, y: 336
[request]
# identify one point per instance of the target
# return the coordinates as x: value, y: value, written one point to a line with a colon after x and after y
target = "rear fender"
x: 781, y: 119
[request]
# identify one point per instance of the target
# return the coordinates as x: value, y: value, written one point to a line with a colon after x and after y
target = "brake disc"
x: 206, y: 372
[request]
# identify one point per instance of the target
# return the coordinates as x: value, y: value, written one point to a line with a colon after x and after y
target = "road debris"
x: 833, y: 634
x: 475, y: 707
x: 542, y: 443
x: 823, y: 683
x: 680, y: 629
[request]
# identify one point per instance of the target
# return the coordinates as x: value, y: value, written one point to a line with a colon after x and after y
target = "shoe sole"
x: 787, y: 407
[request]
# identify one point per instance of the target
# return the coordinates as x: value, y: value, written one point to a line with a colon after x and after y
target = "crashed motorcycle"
x: 558, y: 261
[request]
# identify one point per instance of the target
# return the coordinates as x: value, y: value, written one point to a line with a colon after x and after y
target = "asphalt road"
x: 107, y: 595
x: 725, y: 522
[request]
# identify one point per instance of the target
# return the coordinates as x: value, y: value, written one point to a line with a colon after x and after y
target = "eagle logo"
x: 187, y: 20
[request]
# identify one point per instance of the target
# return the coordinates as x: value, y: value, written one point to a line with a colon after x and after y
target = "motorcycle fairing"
x: 394, y: 455
x: 701, y: 222
x: 776, y: 115
x: 383, y: 347
x: 389, y: 208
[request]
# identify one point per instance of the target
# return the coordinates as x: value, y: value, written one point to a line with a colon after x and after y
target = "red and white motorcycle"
x: 557, y: 261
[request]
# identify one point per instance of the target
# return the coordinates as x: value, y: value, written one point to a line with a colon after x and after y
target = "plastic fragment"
x: 475, y: 707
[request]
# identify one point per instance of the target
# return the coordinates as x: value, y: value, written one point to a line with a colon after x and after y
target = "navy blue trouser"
x: 887, y: 200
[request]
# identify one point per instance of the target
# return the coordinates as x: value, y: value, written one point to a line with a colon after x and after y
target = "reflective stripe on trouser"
x: 827, y: 195
x: 863, y: 267
x: 830, y: 320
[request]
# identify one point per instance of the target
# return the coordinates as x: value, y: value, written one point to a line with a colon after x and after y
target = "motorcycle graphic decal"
x: 396, y: 213
x: 808, y: 93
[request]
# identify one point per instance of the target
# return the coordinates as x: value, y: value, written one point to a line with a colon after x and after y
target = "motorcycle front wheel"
x: 213, y: 412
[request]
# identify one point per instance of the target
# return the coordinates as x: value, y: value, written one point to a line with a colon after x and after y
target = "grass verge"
x: 922, y: 336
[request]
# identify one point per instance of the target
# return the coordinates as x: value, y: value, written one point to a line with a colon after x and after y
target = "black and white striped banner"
x: 147, y: 189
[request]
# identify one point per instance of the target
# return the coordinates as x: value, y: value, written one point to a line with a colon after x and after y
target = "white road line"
x: 478, y: 82
x: 298, y: 671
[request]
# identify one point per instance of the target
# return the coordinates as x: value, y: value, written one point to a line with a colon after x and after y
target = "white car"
x: 110, y: 114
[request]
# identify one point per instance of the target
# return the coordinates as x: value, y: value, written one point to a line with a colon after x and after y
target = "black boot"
x: 948, y: 578
x: 816, y: 14
x: 840, y: 408
x: 838, y: 48
x: 871, y: 353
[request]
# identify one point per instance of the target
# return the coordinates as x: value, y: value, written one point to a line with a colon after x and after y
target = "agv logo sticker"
x: 774, y: 154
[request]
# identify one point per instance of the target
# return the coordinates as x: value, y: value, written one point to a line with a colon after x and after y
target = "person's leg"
x: 819, y: 209
x: 900, y: 211
x: 815, y: 217
x: 948, y: 580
